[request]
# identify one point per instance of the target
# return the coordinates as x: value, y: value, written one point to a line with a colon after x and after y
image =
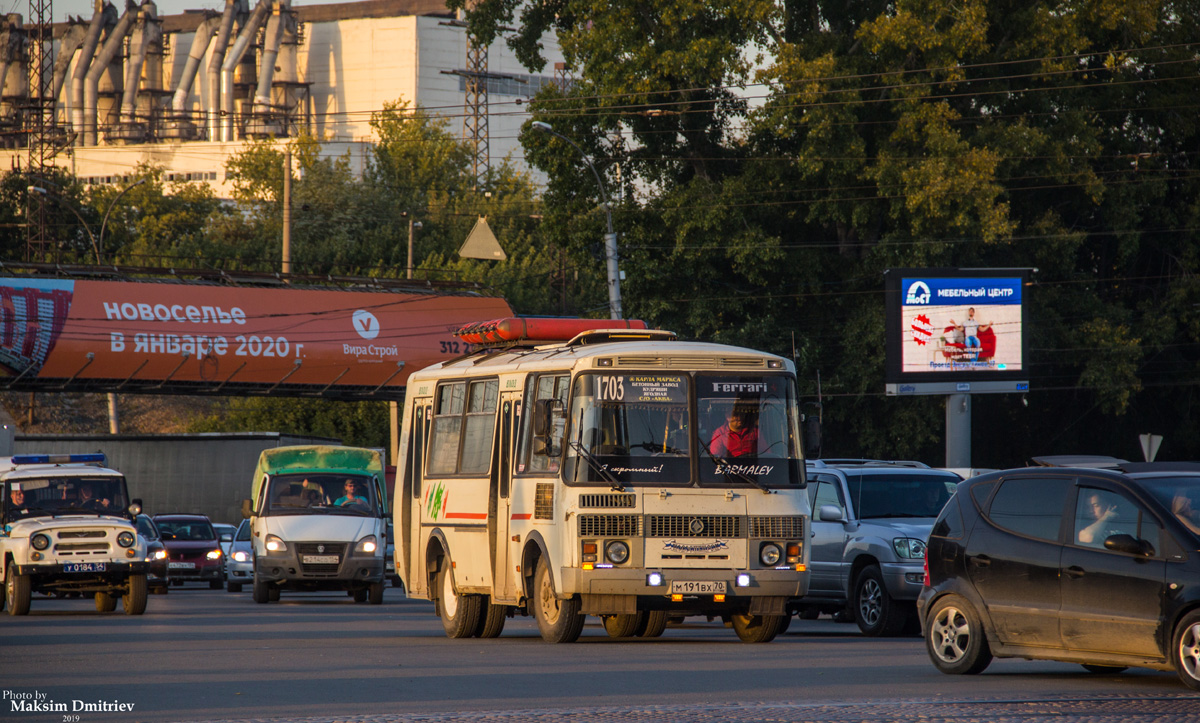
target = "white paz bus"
x: 569, y: 468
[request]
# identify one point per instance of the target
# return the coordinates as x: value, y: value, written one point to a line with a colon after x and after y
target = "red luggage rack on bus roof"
x: 518, y: 331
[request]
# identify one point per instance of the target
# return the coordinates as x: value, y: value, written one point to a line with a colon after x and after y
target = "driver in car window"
x: 1095, y: 518
x: 352, y: 496
x: 738, y: 437
x: 1181, y: 507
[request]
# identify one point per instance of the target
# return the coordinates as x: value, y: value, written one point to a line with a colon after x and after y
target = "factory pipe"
x: 245, y: 37
x: 200, y: 42
x: 105, y: 16
x: 266, y: 73
x: 147, y: 32
x: 91, y: 88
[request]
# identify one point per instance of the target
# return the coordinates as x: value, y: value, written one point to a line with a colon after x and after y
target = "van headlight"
x: 40, y: 541
x: 367, y: 545
x: 909, y: 548
x: 274, y: 544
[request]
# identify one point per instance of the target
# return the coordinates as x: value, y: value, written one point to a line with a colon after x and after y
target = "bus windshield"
x: 323, y: 493
x: 631, y: 429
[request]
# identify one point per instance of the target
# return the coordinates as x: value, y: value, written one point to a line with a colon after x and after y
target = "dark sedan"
x: 195, y: 551
x: 159, y: 575
x: 1094, y: 566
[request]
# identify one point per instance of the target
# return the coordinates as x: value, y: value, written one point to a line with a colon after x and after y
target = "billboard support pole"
x: 958, y: 430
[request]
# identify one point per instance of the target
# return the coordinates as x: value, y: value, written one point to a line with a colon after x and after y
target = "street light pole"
x: 610, y: 238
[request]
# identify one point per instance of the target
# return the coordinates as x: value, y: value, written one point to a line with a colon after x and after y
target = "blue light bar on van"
x: 59, y: 458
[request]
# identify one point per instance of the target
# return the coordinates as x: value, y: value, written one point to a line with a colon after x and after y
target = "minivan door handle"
x: 981, y: 561
x: 1074, y: 571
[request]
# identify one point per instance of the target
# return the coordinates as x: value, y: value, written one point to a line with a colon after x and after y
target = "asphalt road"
x: 199, y: 654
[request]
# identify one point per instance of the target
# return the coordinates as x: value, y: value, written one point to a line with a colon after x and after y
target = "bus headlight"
x: 126, y: 539
x: 617, y: 552
x: 275, y: 544
x: 769, y: 554
x: 41, y: 542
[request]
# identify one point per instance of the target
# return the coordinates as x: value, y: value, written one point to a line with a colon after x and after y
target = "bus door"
x: 411, y: 512
x: 500, y: 503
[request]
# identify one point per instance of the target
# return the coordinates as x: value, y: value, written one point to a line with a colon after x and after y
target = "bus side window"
x: 447, y: 429
x: 533, y: 459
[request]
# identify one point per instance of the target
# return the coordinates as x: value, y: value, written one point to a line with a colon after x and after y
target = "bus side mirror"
x: 811, y: 430
x: 543, y: 426
x: 247, y: 508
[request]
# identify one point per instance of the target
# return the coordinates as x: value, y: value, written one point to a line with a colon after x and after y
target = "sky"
x: 85, y: 8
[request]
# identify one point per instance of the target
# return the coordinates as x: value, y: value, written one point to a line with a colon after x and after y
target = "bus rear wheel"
x: 559, y: 621
x: 491, y: 619
x: 460, y: 613
x: 624, y: 626
x: 654, y: 624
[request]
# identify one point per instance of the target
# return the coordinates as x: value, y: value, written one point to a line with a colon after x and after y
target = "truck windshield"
x: 83, y: 494
x: 322, y: 493
x: 638, y: 429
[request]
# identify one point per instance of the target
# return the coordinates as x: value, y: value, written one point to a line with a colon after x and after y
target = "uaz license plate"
x: 84, y: 567
x: 695, y: 587
x: 319, y: 559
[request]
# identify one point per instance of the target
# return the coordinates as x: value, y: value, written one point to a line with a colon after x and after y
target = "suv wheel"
x: 1186, y: 650
x: 17, y: 591
x: 954, y: 637
x: 876, y: 613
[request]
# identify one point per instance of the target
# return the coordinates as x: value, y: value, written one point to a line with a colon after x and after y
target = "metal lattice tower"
x: 39, y: 123
x: 475, y: 116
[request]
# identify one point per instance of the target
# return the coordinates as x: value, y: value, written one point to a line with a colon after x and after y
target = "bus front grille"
x: 777, y: 527
x: 609, y: 525
x: 694, y: 526
x: 607, y: 500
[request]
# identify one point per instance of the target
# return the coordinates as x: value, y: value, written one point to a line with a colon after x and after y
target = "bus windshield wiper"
x: 600, y: 470
x: 719, y: 460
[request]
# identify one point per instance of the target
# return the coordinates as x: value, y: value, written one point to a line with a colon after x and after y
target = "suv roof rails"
x: 1160, y: 467
x: 851, y: 462
x: 1092, y: 461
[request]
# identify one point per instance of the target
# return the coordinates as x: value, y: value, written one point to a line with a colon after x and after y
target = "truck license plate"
x: 695, y: 587
x: 84, y: 567
x: 319, y: 559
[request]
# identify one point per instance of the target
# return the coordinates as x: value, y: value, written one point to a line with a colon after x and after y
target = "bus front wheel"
x: 559, y: 621
x: 460, y: 613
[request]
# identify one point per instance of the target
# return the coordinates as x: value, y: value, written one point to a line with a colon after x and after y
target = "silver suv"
x: 870, y: 521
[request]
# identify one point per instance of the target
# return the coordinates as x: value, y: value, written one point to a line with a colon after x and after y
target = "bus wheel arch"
x: 535, y: 549
x: 437, y: 551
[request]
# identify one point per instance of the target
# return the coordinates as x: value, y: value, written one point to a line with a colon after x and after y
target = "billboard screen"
x: 179, y: 337
x: 948, y: 325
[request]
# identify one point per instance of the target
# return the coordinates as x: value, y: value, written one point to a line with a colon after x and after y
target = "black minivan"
x: 1094, y: 566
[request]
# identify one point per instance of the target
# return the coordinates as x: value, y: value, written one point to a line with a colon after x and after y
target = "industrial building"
x: 185, y: 91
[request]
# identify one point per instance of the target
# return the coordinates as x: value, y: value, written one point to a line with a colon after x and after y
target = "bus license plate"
x: 693, y: 587
x: 319, y: 559
x: 84, y: 567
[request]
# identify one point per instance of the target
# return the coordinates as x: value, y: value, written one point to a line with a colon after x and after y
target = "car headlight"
x: 214, y: 555
x: 160, y: 554
x: 126, y: 539
x: 367, y: 545
x: 769, y: 553
x: 617, y: 552
x: 39, y: 541
x: 909, y: 548
x: 241, y: 556
x: 274, y: 544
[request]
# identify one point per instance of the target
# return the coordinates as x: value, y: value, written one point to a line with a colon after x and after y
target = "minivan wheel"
x: 1186, y: 650
x: 954, y: 637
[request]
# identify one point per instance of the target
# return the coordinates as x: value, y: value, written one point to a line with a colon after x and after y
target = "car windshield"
x: 146, y: 528
x: 900, y: 495
x: 243, y: 532
x: 631, y: 429
x: 83, y: 494
x: 340, y: 494
x: 1179, y: 494
x: 188, y: 530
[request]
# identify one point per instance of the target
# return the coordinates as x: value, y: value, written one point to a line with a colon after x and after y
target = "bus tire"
x: 655, y: 625
x: 134, y: 599
x: 625, y: 625
x: 757, y: 628
x: 460, y: 613
x: 491, y: 619
x: 559, y: 621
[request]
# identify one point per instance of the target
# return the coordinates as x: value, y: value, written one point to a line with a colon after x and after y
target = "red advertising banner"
x: 194, y: 337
